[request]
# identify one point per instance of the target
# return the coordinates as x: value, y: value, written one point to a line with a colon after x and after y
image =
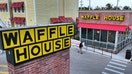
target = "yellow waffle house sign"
x: 25, y: 44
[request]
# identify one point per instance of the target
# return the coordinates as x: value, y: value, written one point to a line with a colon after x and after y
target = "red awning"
x: 70, y: 19
x: 61, y: 19
x: 121, y: 28
x: 2, y: 6
x: 17, y: 4
x: 130, y: 27
x: 54, y: 20
x: 18, y: 20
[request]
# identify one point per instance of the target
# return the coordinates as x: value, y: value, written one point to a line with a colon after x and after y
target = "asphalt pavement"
x: 3, y: 64
x: 89, y: 62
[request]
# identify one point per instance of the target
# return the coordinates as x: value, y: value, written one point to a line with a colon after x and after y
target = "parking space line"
x: 115, y: 67
x: 118, y: 64
x: 115, y: 71
x: 119, y: 61
x: 105, y: 73
x: 1, y: 65
x: 2, y: 72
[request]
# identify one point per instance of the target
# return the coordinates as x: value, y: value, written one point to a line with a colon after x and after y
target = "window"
x: 6, y: 8
x: 15, y: 10
x: 96, y: 35
x: 18, y: 10
x: 23, y: 8
x: 111, y: 36
x: 119, y: 37
x: 90, y: 34
x: 3, y: 7
x: 18, y: 7
x: 83, y: 33
x: 103, y: 35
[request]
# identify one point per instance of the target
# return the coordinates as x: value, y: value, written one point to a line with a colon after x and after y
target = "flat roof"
x: 105, y: 11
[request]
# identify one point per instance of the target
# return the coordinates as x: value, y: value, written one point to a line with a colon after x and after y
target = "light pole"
x: 81, y: 4
x: 89, y: 4
x: 117, y: 5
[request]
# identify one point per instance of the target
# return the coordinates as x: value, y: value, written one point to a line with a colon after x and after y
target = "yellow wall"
x: 5, y: 16
x: 30, y: 12
x: 61, y: 7
x: 46, y: 9
x: 71, y: 8
x: 19, y: 14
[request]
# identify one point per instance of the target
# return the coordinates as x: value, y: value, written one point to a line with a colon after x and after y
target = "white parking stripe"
x: 105, y: 73
x: 115, y: 71
x: 118, y: 64
x: 120, y: 61
x: 115, y: 67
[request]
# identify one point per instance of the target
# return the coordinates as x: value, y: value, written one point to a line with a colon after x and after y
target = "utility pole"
x: 81, y: 4
x: 89, y: 4
x: 117, y: 5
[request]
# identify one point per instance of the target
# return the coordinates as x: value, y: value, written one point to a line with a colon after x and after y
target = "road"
x: 86, y: 63
x: 3, y: 64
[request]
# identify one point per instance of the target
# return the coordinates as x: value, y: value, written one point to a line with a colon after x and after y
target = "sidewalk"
x: 120, y: 55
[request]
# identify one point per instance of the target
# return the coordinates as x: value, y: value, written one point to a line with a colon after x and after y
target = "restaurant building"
x: 34, y: 12
x: 5, y: 13
x: 106, y: 30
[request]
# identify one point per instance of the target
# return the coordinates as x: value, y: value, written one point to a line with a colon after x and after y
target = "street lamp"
x: 117, y: 5
x: 89, y: 4
x: 81, y: 4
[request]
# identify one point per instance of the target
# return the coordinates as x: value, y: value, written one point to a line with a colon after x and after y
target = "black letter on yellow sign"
x: 47, y: 46
x: 69, y: 29
x: 34, y: 48
x: 61, y: 34
x: 40, y: 32
x: 27, y: 37
x: 58, y: 45
x: 11, y: 37
x: 66, y: 41
x: 21, y: 54
x: 52, y: 31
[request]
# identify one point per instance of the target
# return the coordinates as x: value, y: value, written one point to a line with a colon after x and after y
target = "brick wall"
x: 57, y: 63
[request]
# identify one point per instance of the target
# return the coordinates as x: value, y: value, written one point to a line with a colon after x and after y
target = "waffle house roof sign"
x: 25, y: 44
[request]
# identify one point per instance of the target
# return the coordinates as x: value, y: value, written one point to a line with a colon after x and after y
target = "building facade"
x: 5, y: 13
x: 35, y: 12
x: 107, y: 30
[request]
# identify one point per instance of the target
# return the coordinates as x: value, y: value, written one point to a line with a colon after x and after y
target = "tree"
x: 97, y: 8
x: 109, y: 6
x: 116, y: 8
x: 103, y: 8
x: 126, y: 8
x: 90, y: 8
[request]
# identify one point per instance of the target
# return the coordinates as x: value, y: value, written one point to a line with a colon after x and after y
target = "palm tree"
x: 97, y: 8
x: 109, y: 6
x: 126, y: 8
